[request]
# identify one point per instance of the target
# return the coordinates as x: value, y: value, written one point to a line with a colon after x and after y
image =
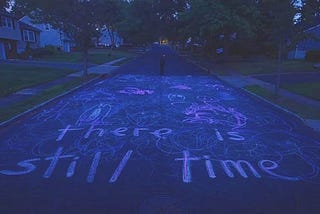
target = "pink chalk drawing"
x: 135, y: 91
x: 214, y: 114
x: 181, y: 87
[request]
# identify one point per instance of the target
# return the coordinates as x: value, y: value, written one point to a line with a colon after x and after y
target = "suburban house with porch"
x: 108, y: 37
x: 307, y: 45
x: 51, y: 36
x: 15, y: 36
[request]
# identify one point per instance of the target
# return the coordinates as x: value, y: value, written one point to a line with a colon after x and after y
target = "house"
x: 50, y: 36
x: 30, y: 36
x: 306, y: 45
x: 105, y: 39
x: 14, y: 36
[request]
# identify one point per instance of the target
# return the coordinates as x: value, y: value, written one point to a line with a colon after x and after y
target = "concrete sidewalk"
x: 27, y: 93
x: 106, y: 68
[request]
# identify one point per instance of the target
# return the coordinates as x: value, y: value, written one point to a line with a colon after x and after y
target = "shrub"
x: 313, y: 56
x: 46, y: 51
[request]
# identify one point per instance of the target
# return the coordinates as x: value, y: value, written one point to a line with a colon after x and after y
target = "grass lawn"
x: 7, y: 113
x: 16, y: 77
x: 95, y: 56
x: 263, y: 67
x: 310, y: 90
x: 298, y: 108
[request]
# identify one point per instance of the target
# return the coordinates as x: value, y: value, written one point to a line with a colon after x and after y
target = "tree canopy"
x: 211, y: 22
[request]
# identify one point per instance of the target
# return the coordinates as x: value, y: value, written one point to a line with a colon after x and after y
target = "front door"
x: 2, y: 51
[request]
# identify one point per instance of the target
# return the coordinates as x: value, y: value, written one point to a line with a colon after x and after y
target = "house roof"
x: 29, y: 27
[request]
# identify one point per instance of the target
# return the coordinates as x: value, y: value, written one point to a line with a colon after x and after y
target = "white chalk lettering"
x: 209, y: 167
x: 120, y: 167
x: 71, y: 168
x: 119, y: 131
x: 186, y: 171
x: 93, y: 167
x: 64, y: 132
x: 136, y: 131
x: 28, y: 167
x: 218, y: 135
x: 268, y: 165
x: 161, y: 132
x: 93, y: 129
x: 238, y: 167
x: 53, y: 164
x: 235, y: 136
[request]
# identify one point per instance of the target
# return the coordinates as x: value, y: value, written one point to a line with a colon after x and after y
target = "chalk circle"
x: 278, y: 141
x: 311, y: 154
x: 95, y: 115
x: 192, y: 140
x: 144, y: 118
x: 176, y: 97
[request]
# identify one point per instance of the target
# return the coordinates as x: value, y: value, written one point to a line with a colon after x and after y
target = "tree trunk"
x: 85, y: 62
x: 279, y: 70
x: 112, y: 37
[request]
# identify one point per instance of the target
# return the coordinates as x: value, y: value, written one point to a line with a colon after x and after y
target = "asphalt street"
x: 138, y: 142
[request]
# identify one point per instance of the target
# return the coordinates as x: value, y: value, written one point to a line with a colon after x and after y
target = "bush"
x: 46, y: 51
x: 313, y: 56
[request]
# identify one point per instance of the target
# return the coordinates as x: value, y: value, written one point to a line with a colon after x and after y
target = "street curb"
x: 16, y: 117
x: 274, y: 105
x: 258, y: 97
x: 292, y: 114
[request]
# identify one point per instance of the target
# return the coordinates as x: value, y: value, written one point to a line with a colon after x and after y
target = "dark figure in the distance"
x: 162, y: 63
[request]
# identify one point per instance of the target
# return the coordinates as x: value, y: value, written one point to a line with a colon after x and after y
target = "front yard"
x: 310, y: 90
x: 263, y: 66
x: 17, y: 77
x: 96, y: 56
x: 22, y: 106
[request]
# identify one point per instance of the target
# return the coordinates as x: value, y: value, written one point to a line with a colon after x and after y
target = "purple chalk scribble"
x: 135, y: 91
x: 214, y: 114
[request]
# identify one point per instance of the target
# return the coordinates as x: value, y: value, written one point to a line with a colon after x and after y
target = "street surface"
x: 142, y: 143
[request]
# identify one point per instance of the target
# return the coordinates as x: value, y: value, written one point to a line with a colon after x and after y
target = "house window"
x: 47, y: 27
x: 29, y: 36
x: 6, y: 22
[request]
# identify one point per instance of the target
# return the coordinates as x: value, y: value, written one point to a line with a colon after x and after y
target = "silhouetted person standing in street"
x: 162, y: 63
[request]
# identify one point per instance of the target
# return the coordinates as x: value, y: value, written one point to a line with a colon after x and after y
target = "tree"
x: 140, y: 23
x: 109, y: 17
x: 208, y: 19
x: 281, y: 27
x: 147, y: 20
x: 310, y: 13
x: 4, y: 4
x: 79, y: 19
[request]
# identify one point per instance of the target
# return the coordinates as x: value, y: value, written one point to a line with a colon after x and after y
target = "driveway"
x: 143, y: 143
